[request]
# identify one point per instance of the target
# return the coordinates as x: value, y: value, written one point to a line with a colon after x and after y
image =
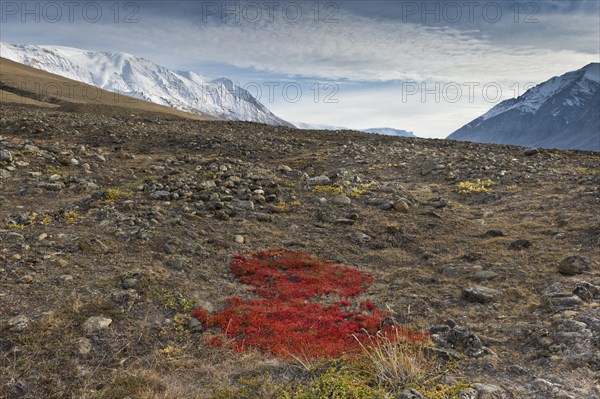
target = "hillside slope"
x: 559, y: 113
x: 140, y: 78
x: 115, y: 227
x: 21, y: 84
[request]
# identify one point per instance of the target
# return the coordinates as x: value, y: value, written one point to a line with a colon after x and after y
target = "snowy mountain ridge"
x: 532, y: 100
x: 387, y: 131
x: 138, y: 77
x: 559, y: 113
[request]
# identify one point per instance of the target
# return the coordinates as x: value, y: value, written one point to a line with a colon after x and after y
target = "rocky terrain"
x: 113, y: 228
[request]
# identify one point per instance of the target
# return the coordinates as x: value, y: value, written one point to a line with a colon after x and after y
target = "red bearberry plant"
x: 287, y: 320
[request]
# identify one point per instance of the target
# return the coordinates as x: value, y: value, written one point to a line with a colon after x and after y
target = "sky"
x: 424, y: 66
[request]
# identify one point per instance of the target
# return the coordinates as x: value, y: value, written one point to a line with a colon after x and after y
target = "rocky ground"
x: 113, y: 228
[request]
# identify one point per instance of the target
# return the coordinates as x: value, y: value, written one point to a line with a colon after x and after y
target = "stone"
x: 128, y: 283
x: 195, y: 326
x: 160, y: 195
x: 411, y: 393
x: 468, y: 393
x: 480, y: 294
x: 239, y: 239
x: 6, y: 156
x: 341, y: 200
x: 586, y: 291
x: 26, y: 279
x: 521, y: 243
x: 96, y: 323
x: 319, y: 181
x: 401, y: 207
x: 42, y: 236
x: 542, y: 385
x: 84, y: 346
x: 263, y: 217
x: 19, y: 323
x: 488, y: 391
x: 493, y: 233
x: 53, y: 186
x: 531, y: 151
x: 574, y: 264
x: 245, y: 205
x: 561, y: 300
x: 344, y: 221
x: 14, y: 236
x: 92, y: 245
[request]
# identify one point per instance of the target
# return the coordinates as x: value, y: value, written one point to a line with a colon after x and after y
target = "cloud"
x: 375, y: 51
x: 358, y: 48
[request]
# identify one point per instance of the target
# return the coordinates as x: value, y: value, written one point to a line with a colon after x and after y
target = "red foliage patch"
x: 284, y: 322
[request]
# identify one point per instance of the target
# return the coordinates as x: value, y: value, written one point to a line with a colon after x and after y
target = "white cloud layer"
x: 359, y: 49
x: 366, y: 49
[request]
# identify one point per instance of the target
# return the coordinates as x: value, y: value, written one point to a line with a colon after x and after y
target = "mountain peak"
x: 138, y: 77
x: 561, y: 112
x: 592, y: 72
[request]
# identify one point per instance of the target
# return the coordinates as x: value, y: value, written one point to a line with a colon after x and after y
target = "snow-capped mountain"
x: 388, y: 131
x: 563, y: 112
x: 140, y: 78
x: 317, y: 126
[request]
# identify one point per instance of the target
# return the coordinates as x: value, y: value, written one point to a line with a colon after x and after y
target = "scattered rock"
x: 52, y: 186
x: 319, y: 181
x: 411, y: 393
x: 6, y: 156
x: 239, y: 239
x: 488, y: 391
x: 19, y: 323
x: 586, y: 291
x: 521, y: 243
x: 92, y: 245
x: 480, y: 294
x: 401, y: 207
x: 345, y: 221
x: 195, y: 326
x: 284, y: 168
x: 453, y: 340
x: 341, y: 200
x: 96, y: 323
x: 554, y: 297
x: 493, y: 233
x: 531, y: 151
x: 26, y: 279
x: 84, y: 346
x: 573, y: 265
x: 161, y: 195
x: 263, y: 217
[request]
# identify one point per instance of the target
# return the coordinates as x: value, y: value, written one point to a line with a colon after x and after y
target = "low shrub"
x: 284, y: 322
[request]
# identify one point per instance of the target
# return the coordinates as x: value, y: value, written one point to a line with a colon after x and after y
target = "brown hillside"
x: 22, y: 84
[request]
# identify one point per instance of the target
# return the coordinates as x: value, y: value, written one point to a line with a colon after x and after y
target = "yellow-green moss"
x: 479, y: 186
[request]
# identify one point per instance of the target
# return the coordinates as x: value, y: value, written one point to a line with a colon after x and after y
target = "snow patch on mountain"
x: 559, y: 113
x: 318, y: 126
x: 388, y: 131
x: 138, y: 77
x: 537, y: 96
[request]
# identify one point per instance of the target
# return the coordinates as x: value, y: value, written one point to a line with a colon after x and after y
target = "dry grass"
x: 396, y: 362
x: 25, y: 85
